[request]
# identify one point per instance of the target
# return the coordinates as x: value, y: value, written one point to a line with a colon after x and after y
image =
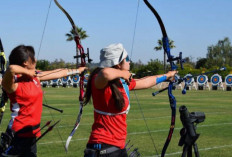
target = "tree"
x: 189, y: 60
x: 220, y: 54
x: 82, y: 34
x: 42, y: 65
x: 201, y: 63
x: 152, y: 68
x: 160, y: 47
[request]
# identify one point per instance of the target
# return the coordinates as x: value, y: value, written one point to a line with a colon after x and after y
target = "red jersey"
x: 26, y: 106
x: 109, y: 129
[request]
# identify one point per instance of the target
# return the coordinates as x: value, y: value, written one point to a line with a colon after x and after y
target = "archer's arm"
x: 58, y: 73
x: 150, y: 81
x: 8, y: 81
x: 109, y: 74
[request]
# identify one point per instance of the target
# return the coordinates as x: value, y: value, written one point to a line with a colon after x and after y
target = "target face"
x: 55, y: 80
x: 65, y: 79
x: 216, y: 79
x: 86, y: 78
x: 202, y: 79
x: 189, y: 78
x: 76, y: 79
x: 228, y: 79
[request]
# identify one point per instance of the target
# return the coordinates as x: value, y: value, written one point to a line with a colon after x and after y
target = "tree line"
x: 218, y: 55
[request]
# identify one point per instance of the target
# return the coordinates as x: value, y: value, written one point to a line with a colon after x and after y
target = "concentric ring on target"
x: 76, y: 79
x: 65, y: 79
x: 202, y: 79
x: 189, y: 79
x: 228, y: 80
x: 216, y: 79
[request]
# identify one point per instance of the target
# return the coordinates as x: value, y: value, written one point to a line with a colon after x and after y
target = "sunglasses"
x: 127, y: 58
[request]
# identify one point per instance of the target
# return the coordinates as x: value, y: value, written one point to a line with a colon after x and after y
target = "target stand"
x: 216, y: 81
x: 228, y: 81
x: 190, y: 82
x: 202, y: 81
x: 55, y: 83
x: 45, y: 84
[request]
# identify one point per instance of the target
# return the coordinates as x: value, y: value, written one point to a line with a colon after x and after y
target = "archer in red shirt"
x: 21, y: 81
x: 109, y: 87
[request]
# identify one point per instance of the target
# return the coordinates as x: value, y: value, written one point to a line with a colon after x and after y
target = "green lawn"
x: 215, y: 139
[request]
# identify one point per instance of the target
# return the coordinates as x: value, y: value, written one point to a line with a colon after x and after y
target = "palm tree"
x: 70, y: 37
x: 160, y: 47
x: 82, y: 34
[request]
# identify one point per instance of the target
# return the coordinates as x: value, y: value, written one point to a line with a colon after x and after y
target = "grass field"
x: 216, y: 131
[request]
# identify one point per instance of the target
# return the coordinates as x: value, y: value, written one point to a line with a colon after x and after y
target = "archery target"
x: 216, y: 79
x: 65, y: 79
x: 202, y: 79
x: 76, y: 79
x: 189, y: 79
x: 228, y: 80
x: 44, y: 83
x: 86, y: 78
x: 55, y: 81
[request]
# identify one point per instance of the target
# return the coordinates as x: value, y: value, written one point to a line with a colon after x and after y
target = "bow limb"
x: 4, y: 97
x: 171, y: 59
x: 80, y: 54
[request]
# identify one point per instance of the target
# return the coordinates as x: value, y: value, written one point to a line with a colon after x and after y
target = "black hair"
x: 21, y: 54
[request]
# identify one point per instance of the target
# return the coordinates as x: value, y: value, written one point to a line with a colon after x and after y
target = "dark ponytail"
x: 116, y: 94
x: 89, y: 86
x: 114, y: 84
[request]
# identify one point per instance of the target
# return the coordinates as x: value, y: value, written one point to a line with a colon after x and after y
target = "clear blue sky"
x: 192, y: 24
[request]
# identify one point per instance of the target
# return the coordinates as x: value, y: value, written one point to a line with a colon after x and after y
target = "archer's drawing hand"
x: 127, y: 76
x: 30, y: 73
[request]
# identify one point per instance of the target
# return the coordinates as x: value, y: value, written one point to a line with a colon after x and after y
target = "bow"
x: 173, y: 66
x: 4, y: 97
x: 82, y: 55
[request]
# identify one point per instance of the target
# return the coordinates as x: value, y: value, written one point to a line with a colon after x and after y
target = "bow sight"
x: 179, y: 60
x: 84, y: 55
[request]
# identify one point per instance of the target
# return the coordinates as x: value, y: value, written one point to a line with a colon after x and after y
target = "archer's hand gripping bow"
x: 82, y: 55
x: 171, y: 60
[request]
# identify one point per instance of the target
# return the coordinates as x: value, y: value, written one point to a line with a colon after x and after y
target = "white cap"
x: 112, y: 55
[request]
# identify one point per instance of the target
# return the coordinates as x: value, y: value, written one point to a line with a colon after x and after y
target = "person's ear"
x: 118, y: 66
x: 25, y: 63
